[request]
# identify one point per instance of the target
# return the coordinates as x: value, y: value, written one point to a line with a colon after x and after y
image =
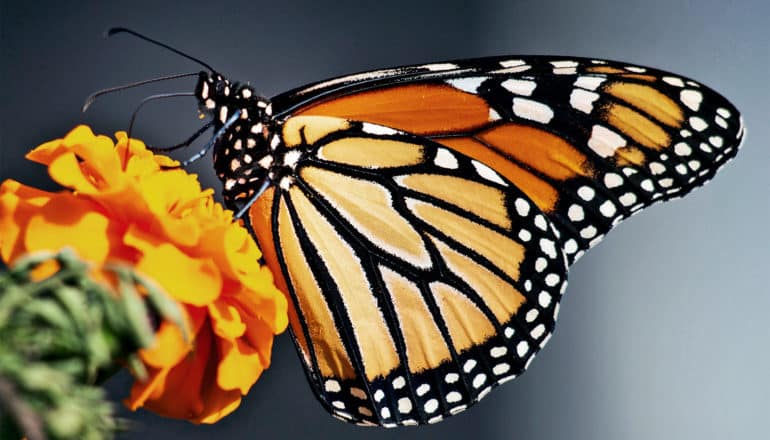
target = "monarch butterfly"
x: 422, y: 219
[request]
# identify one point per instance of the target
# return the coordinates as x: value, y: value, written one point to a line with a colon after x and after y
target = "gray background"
x: 663, y: 332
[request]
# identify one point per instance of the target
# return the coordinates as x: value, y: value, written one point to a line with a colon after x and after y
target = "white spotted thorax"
x: 247, y: 152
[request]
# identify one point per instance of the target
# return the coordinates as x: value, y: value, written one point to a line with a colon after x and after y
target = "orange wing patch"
x: 648, y: 100
x: 541, y: 192
x: 368, y: 207
x: 260, y: 215
x: 542, y: 151
x: 467, y: 325
x: 374, y: 341
x: 331, y: 355
x: 424, y: 109
x: 504, y: 252
x: 423, y: 339
x: 637, y: 126
x: 502, y: 298
x: 311, y: 128
x: 480, y: 199
x: 371, y: 153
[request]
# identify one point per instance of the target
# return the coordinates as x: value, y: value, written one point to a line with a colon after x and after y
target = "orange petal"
x: 44, y: 270
x: 153, y: 387
x: 259, y: 335
x: 66, y: 221
x: 17, y: 204
x: 49, y: 151
x: 186, y: 383
x: 240, y: 366
x: 226, y: 321
x: 189, y: 280
x: 168, y: 349
x: 218, y: 403
x: 271, y: 308
x: 65, y: 170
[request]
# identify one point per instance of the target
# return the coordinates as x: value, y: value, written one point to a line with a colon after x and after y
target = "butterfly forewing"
x: 590, y: 142
x: 421, y: 278
x: 421, y: 219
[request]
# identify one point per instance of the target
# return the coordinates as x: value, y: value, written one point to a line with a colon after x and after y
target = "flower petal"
x: 65, y: 170
x: 192, y: 281
x: 226, y: 321
x: 168, y: 349
x: 17, y: 204
x: 240, y: 367
x: 63, y: 218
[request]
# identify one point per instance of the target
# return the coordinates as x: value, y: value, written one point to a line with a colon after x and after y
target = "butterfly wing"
x: 420, y: 278
x: 590, y: 142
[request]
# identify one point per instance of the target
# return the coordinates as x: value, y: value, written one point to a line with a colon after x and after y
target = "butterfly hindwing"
x: 420, y: 278
x: 590, y: 142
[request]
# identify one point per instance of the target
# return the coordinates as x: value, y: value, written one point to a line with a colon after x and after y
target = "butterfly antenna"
x: 148, y: 99
x: 184, y: 144
x: 92, y: 97
x: 119, y: 30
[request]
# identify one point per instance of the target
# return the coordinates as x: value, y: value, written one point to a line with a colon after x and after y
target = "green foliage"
x: 60, y: 336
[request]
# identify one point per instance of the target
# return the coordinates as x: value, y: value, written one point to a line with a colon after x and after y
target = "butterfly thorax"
x: 246, y: 153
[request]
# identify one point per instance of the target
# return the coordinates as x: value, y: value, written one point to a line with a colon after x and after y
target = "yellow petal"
x: 49, y: 151
x: 65, y: 170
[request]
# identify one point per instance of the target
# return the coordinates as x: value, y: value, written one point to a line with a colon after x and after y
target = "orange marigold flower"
x: 120, y: 202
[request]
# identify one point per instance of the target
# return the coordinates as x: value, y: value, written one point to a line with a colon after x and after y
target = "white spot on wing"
x: 605, y: 141
x: 440, y: 67
x: 522, y: 207
x: 470, y: 85
x: 291, y: 157
x: 431, y: 406
x: 589, y: 82
x: 691, y: 98
x: 479, y: 380
x: 332, y: 386
x: 515, y: 69
x: 497, y: 352
x: 612, y: 180
x: 377, y: 129
x: 501, y: 369
x: 564, y: 63
x: 583, y: 100
x: 532, y: 110
x: 488, y: 173
x: 522, y: 348
x: 522, y: 87
x: 445, y: 159
x: 698, y: 124
x: 674, y: 81
x: 404, y: 405
x: 512, y: 63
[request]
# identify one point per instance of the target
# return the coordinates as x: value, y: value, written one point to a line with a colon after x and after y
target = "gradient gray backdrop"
x: 663, y: 331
